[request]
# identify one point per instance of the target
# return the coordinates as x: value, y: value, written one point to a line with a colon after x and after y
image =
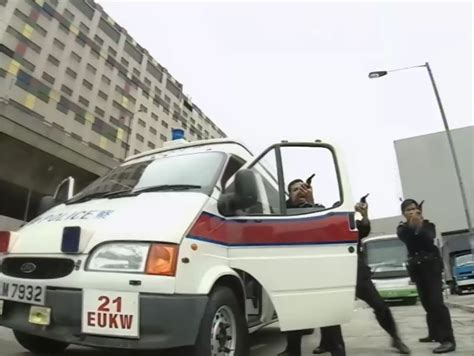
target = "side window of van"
x: 233, y: 165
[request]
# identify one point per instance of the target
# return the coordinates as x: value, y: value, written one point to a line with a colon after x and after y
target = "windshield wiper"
x: 155, y: 188
x: 159, y: 188
x: 96, y: 195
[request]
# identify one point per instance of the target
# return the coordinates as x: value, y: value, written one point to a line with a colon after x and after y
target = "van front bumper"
x: 392, y: 294
x: 166, y: 321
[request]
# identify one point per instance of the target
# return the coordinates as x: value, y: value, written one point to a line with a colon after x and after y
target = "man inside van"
x: 301, y: 196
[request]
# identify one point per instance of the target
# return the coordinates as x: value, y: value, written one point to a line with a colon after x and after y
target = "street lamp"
x: 127, y: 147
x: 378, y: 74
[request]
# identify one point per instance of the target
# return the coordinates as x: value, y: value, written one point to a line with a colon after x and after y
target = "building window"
x: 167, y: 99
x: 95, y: 54
x: 53, y: 60
x: 76, y: 57
x: 63, y: 28
x: 145, y: 94
x: 71, y: 73
x: 99, y: 111
x: 91, y: 68
x: 103, y: 95
x: 125, y: 62
x: 76, y: 136
x: 59, y: 44
x: 136, y: 72
x: 158, y: 91
x: 48, y: 78
x: 69, y: 15
x: 83, y: 28
x: 163, y: 137
x: 80, y: 41
x: 106, y: 80
x: 84, y: 101
x: 136, y: 152
x: 164, y: 124
x: 154, y: 116
x: 147, y: 82
x: 143, y: 108
x: 153, y: 130
x: 140, y: 138
x: 87, y: 84
x: 151, y: 145
x: 113, y: 52
x: 80, y: 118
x: 99, y: 40
x: 61, y: 108
x: 66, y: 90
x: 109, y: 65
x: 141, y: 123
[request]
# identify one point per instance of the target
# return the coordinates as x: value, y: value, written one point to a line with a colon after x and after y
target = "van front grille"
x: 37, y: 267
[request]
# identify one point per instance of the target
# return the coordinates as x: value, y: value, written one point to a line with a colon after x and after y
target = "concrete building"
x: 427, y: 173
x: 77, y: 95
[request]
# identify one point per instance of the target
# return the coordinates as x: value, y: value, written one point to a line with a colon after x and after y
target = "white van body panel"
x: 154, y: 216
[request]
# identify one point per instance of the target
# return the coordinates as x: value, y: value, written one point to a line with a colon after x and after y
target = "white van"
x: 386, y: 256
x: 191, y: 245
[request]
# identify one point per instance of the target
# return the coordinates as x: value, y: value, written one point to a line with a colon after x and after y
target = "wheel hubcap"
x: 223, y: 333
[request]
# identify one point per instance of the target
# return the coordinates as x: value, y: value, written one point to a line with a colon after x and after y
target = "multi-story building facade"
x: 77, y: 86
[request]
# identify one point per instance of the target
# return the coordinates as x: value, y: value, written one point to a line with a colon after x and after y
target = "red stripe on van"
x: 327, y: 229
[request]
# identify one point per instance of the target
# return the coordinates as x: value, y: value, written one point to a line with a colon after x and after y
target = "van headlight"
x: 135, y: 257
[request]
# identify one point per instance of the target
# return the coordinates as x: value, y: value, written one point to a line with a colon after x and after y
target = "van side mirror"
x: 243, y: 196
x: 45, y: 203
x: 64, y: 191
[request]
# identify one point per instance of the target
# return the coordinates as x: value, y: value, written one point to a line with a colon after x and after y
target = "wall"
x: 427, y: 173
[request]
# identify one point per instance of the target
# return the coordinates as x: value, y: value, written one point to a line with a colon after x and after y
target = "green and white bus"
x: 386, y: 257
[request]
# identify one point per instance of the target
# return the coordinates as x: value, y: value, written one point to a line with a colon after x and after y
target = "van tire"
x: 39, y: 345
x: 223, y: 308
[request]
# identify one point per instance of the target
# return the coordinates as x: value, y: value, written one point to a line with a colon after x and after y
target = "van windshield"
x: 193, y: 172
x: 464, y: 259
x: 386, y: 253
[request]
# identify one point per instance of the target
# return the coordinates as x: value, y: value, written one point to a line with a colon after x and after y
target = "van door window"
x: 305, y: 181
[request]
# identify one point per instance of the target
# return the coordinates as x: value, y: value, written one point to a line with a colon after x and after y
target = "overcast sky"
x: 270, y: 71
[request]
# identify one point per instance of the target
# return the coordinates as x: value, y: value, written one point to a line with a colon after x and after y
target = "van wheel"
x: 223, y: 330
x: 39, y: 345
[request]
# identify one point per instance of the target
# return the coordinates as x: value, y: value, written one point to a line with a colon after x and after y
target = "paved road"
x: 363, y: 336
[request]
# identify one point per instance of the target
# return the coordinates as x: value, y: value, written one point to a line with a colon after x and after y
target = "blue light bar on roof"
x: 177, y: 134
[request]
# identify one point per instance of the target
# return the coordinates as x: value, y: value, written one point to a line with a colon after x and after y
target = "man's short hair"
x: 293, y: 182
x: 407, y: 202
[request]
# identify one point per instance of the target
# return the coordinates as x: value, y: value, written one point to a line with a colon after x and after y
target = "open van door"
x: 303, y: 255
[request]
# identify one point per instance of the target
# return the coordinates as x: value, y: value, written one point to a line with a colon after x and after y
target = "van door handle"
x: 352, y: 223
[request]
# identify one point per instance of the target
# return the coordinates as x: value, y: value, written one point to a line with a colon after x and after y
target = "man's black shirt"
x: 418, y: 240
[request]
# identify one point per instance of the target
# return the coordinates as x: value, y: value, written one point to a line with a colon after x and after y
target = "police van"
x: 191, y: 246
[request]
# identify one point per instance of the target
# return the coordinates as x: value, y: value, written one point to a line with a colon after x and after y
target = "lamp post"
x: 378, y: 74
x: 127, y: 148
